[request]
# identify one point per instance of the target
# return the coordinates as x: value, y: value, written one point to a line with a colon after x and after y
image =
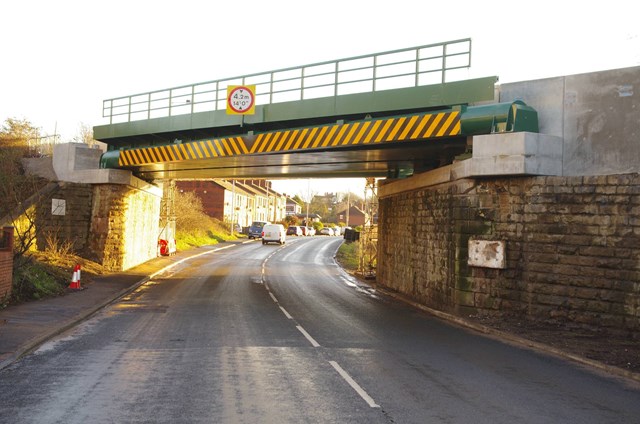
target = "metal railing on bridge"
x: 411, y: 67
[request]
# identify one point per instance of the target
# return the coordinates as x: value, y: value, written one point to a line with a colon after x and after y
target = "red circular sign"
x: 241, y: 99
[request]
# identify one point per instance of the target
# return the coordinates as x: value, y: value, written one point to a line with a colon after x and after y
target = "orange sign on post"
x: 241, y: 99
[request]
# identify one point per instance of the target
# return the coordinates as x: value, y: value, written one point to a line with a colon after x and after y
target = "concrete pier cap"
x: 521, y: 153
x: 80, y: 163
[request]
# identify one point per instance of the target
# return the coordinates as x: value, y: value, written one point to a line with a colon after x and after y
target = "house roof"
x: 311, y: 215
x: 262, y: 191
x: 351, y: 210
x: 252, y: 189
x: 229, y: 187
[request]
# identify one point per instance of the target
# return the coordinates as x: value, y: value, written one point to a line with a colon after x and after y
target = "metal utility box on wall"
x: 487, y: 254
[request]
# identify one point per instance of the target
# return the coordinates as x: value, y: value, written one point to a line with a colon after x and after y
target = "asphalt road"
x: 278, y: 334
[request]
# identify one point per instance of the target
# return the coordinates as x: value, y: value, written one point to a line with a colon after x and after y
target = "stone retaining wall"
x: 63, y: 216
x: 124, y: 226
x: 113, y: 224
x: 572, y: 247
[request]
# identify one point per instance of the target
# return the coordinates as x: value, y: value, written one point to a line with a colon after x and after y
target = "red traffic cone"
x: 75, y: 279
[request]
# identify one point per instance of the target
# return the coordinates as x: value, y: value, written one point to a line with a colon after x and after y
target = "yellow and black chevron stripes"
x: 445, y: 124
x: 416, y: 127
x: 205, y: 149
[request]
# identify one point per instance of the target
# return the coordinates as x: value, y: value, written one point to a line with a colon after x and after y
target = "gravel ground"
x: 619, y: 350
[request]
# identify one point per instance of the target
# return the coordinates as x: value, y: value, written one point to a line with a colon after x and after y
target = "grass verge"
x: 186, y: 240
x: 46, y: 274
x: 348, y: 256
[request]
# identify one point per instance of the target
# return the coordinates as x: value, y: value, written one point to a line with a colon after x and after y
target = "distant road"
x: 279, y: 334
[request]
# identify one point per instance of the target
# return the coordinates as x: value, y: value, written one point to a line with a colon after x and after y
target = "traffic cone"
x: 75, y: 279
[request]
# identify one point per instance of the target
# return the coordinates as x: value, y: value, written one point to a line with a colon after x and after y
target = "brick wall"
x: 572, y: 247
x: 6, y: 261
x: 210, y: 193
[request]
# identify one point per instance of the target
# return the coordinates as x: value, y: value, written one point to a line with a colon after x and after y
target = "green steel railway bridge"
x: 390, y: 114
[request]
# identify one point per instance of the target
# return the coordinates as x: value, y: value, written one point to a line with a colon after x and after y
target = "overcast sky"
x: 61, y: 58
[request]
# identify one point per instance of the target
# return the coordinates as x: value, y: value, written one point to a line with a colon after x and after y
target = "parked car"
x: 273, y: 233
x: 311, y: 231
x: 326, y: 231
x: 255, y: 230
x: 294, y: 230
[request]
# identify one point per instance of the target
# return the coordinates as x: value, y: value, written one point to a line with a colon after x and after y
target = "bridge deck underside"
x: 361, y: 161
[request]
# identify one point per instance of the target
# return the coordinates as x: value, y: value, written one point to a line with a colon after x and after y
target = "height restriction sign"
x: 241, y: 99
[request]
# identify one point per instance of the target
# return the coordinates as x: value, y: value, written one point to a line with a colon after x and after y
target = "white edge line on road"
x: 273, y: 297
x: 347, y: 282
x: 308, y: 336
x: 286, y: 314
x: 222, y: 248
x: 363, y: 394
x: 168, y: 267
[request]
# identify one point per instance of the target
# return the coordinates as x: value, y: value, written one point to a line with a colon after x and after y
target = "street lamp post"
x: 233, y: 206
x: 308, y: 200
x: 348, y: 206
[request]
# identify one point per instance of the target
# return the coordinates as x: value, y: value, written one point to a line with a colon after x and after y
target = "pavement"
x: 24, y: 327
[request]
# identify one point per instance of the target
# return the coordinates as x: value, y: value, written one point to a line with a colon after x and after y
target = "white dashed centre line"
x: 308, y: 336
x: 363, y: 394
x: 286, y: 314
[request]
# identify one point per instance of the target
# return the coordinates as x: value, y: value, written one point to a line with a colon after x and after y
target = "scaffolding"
x: 369, y: 235
x: 167, y: 236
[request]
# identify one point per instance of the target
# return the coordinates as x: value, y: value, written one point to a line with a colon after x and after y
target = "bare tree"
x: 16, y: 139
x: 85, y: 135
x: 17, y: 188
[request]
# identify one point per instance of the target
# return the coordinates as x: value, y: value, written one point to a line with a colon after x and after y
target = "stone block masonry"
x: 115, y: 225
x: 124, y: 226
x: 572, y: 247
x: 63, y: 216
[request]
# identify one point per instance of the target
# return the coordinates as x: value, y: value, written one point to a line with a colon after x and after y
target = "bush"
x: 195, y: 228
x: 290, y: 220
x: 55, y: 247
x: 190, y: 214
x: 33, y: 280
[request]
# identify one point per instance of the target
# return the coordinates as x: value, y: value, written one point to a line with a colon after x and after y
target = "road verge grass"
x: 348, y: 256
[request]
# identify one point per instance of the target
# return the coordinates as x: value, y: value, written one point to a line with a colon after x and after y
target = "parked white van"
x: 273, y: 233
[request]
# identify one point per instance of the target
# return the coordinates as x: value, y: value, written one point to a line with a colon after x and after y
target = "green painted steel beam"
x: 275, y: 115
